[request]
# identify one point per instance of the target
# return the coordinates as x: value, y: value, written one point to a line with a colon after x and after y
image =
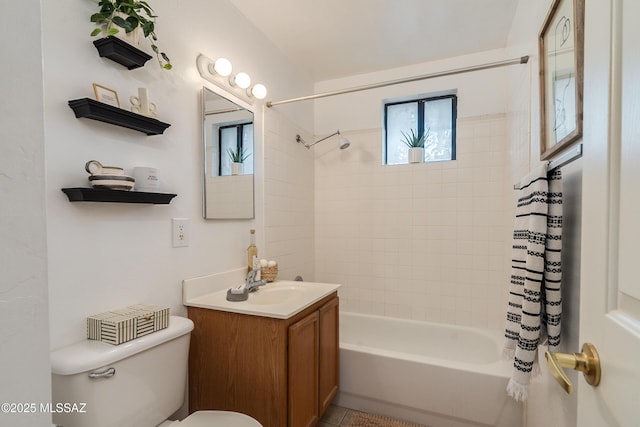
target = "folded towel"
x: 535, y: 305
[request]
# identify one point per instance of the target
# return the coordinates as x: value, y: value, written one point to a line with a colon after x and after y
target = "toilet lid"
x: 218, y: 418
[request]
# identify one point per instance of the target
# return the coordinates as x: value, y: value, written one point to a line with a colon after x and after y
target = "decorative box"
x: 119, y: 326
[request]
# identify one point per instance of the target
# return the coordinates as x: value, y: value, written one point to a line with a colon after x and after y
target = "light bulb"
x: 223, y: 67
x: 259, y: 91
x: 242, y: 80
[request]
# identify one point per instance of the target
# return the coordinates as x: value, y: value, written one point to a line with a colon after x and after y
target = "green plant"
x: 413, y: 140
x: 238, y: 155
x: 138, y: 14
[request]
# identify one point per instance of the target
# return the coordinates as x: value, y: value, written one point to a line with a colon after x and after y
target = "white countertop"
x: 280, y: 299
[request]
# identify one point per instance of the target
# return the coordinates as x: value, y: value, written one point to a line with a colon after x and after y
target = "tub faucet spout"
x: 252, y: 284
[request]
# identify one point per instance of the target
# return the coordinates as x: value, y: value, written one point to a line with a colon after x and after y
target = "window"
x: 235, y: 138
x: 435, y: 114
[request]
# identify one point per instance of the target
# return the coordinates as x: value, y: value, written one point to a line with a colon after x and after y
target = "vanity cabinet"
x: 303, y: 369
x: 329, y: 352
x: 282, y: 372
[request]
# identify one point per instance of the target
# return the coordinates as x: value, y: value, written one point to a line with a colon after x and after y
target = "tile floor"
x: 336, y: 416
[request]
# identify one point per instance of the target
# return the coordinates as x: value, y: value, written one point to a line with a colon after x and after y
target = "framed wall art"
x: 106, y: 95
x: 561, y: 49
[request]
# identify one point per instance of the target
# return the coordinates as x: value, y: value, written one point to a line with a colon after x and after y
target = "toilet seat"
x: 218, y: 419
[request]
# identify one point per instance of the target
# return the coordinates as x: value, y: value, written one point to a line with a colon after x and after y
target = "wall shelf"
x: 92, y: 109
x: 82, y: 194
x: 121, y: 52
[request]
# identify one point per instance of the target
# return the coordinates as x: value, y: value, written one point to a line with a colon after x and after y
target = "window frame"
x: 239, y: 140
x: 422, y: 101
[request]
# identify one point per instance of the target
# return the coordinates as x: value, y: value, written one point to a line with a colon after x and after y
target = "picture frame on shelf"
x: 106, y: 95
x: 561, y: 55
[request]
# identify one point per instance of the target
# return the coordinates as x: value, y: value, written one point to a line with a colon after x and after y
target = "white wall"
x: 428, y: 241
x: 480, y: 93
x: 289, y: 202
x: 105, y: 256
x: 548, y: 404
x: 423, y: 241
x: 24, y: 332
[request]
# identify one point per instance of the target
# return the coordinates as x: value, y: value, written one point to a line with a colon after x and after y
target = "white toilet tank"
x: 147, y: 385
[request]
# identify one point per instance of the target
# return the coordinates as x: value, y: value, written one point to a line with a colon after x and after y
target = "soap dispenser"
x: 252, y: 250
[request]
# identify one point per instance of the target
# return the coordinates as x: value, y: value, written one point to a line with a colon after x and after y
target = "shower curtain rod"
x: 521, y: 60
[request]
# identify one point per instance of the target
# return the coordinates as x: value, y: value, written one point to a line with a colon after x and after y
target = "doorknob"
x: 586, y: 362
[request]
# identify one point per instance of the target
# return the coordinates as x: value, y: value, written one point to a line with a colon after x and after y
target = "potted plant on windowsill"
x: 415, y: 142
x: 238, y: 157
x: 131, y: 16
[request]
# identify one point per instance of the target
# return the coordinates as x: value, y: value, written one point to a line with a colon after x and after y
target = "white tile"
x: 432, y: 236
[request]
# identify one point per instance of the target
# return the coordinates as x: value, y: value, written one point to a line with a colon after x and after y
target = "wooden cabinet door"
x: 329, y: 356
x: 303, y: 371
x: 238, y: 363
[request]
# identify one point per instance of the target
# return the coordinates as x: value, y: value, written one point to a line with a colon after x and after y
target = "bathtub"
x: 428, y: 373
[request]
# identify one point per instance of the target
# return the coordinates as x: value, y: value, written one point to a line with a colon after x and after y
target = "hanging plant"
x: 128, y: 15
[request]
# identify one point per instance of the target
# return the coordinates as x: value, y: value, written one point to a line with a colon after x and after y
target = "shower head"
x: 344, y: 142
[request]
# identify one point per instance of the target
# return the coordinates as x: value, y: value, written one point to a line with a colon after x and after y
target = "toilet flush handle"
x: 104, y: 374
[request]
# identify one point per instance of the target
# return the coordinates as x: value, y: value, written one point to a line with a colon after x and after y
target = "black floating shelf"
x: 121, y: 52
x: 82, y: 194
x: 92, y: 109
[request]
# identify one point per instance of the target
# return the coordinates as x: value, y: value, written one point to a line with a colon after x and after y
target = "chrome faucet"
x: 252, y: 284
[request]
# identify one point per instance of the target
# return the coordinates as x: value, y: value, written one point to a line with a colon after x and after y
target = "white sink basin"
x: 281, y: 299
x: 275, y: 294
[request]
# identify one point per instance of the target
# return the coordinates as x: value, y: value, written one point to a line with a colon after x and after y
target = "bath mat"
x: 359, y: 419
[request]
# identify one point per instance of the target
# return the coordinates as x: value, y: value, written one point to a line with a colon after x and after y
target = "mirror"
x: 228, y: 158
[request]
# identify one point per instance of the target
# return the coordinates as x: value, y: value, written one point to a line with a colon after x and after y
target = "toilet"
x: 139, y: 383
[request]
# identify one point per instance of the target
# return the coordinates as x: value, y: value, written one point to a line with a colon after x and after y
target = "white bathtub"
x: 428, y: 373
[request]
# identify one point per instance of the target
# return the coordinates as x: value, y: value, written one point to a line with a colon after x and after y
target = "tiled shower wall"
x: 424, y: 241
x: 288, y: 204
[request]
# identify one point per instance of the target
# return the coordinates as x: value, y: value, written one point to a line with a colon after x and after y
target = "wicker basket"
x: 269, y: 273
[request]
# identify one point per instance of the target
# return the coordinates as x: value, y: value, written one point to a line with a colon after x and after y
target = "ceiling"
x: 337, y: 38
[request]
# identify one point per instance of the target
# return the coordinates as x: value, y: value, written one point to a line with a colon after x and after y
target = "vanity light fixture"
x: 259, y: 91
x: 222, y: 66
x: 219, y: 72
x: 242, y: 80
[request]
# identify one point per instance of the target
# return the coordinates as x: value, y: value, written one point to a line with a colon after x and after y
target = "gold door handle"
x: 586, y: 362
